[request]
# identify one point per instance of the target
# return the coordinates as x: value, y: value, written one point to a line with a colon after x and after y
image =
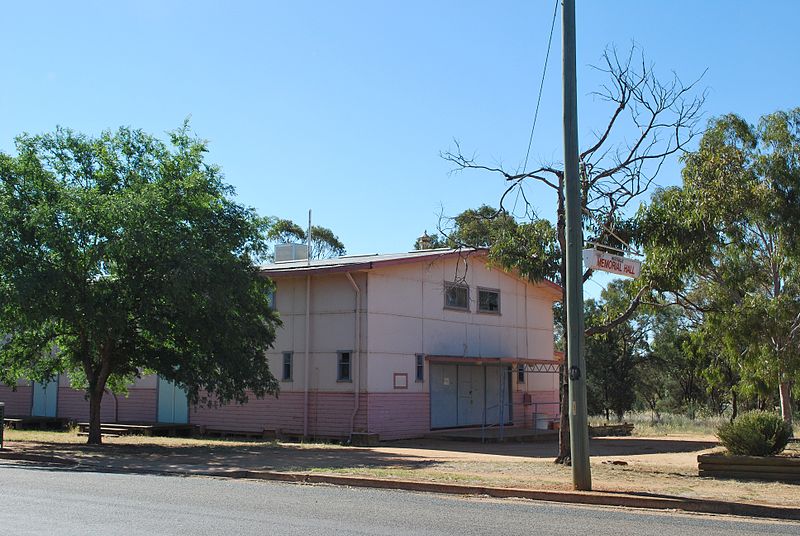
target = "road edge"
x: 593, y: 498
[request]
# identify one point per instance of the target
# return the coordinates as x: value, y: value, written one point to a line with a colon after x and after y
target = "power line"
x: 541, y: 86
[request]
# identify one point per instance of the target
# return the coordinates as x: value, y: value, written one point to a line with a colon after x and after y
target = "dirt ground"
x: 664, y: 465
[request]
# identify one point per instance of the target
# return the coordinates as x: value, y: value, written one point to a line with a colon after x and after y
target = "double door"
x: 173, y: 404
x: 45, y: 398
x: 468, y: 395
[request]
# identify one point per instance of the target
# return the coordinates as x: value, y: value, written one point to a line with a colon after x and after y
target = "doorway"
x: 173, y: 404
x: 45, y: 398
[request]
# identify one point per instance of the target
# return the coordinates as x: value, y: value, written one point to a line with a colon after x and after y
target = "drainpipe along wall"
x: 356, y: 354
x: 306, y: 361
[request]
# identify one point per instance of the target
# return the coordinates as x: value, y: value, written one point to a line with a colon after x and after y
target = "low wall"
x: 774, y: 468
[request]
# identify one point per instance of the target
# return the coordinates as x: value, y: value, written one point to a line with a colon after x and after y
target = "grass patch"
x: 644, y: 425
x: 667, y: 424
x: 71, y: 437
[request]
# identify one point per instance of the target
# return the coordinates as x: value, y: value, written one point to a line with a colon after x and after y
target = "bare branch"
x: 622, y: 318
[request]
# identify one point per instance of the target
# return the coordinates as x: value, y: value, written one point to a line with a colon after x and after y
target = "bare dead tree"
x: 650, y: 121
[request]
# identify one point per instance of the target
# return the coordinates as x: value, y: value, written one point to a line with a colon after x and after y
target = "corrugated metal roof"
x: 363, y: 262
x: 354, y: 263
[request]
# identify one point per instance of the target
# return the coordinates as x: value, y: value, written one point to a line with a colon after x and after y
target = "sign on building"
x: 608, y: 262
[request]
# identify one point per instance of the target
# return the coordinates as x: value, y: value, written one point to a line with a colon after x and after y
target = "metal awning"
x: 531, y: 365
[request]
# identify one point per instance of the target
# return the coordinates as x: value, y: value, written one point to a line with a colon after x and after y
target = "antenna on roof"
x: 308, y: 238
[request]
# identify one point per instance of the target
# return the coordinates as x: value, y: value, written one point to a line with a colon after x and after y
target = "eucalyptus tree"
x: 724, y: 244
x: 529, y: 247
x: 650, y: 121
x: 121, y: 254
x: 324, y: 243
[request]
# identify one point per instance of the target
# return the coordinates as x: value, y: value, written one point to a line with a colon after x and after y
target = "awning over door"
x: 532, y: 365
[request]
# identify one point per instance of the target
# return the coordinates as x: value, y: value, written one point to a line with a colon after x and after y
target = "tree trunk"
x: 95, y: 398
x: 564, y: 450
x: 734, y: 405
x: 786, y: 400
x: 97, y: 376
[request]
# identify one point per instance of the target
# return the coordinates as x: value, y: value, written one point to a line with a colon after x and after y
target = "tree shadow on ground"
x: 260, y: 456
x: 601, y: 446
x: 147, y: 458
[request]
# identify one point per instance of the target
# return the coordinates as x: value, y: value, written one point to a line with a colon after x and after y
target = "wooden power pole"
x: 578, y: 421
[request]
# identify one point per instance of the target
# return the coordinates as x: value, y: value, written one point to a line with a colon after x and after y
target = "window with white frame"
x: 488, y: 300
x: 288, y: 358
x: 520, y: 373
x: 456, y: 296
x: 343, y: 366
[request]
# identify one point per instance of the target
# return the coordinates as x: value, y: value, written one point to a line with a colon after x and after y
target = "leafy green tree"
x: 427, y: 241
x: 649, y: 121
x: 724, y: 244
x: 529, y: 247
x: 285, y: 231
x: 613, y: 356
x: 121, y: 254
x: 324, y: 243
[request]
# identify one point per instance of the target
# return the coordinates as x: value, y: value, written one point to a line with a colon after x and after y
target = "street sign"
x: 608, y: 262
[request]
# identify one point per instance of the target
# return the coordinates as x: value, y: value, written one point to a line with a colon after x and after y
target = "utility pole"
x: 578, y: 422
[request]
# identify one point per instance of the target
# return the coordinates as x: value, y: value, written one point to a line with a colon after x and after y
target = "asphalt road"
x: 57, y: 501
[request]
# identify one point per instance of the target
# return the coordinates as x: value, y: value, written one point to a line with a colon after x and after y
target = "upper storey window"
x: 456, y: 296
x: 489, y: 300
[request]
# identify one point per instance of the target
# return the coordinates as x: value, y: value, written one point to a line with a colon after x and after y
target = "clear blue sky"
x: 343, y: 107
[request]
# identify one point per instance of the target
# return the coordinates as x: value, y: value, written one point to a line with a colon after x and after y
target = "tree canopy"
x: 529, y: 247
x: 649, y: 121
x: 324, y: 243
x: 121, y: 254
x: 724, y: 245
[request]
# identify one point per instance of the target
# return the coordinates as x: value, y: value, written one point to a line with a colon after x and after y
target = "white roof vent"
x: 290, y: 252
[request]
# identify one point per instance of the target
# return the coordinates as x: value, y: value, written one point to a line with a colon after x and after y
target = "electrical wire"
x: 541, y: 86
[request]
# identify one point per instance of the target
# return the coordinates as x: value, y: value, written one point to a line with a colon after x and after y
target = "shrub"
x: 755, y: 433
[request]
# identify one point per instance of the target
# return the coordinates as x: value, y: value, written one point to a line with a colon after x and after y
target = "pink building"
x: 395, y: 345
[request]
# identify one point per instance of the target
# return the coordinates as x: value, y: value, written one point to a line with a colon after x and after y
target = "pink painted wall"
x: 138, y: 407
x: 519, y: 410
x: 391, y: 415
x: 328, y: 416
x: 72, y: 404
x: 544, y: 403
x: 399, y: 415
x: 18, y: 403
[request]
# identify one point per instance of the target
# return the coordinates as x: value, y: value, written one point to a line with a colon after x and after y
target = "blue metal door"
x: 444, y: 395
x: 498, y: 395
x: 45, y: 399
x: 173, y: 404
x: 471, y: 395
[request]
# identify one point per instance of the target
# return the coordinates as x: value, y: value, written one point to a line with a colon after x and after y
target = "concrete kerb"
x: 591, y: 498
x: 596, y: 498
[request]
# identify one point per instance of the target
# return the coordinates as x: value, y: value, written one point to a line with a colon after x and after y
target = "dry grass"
x: 665, y: 465
x: 71, y: 437
x: 671, y: 424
